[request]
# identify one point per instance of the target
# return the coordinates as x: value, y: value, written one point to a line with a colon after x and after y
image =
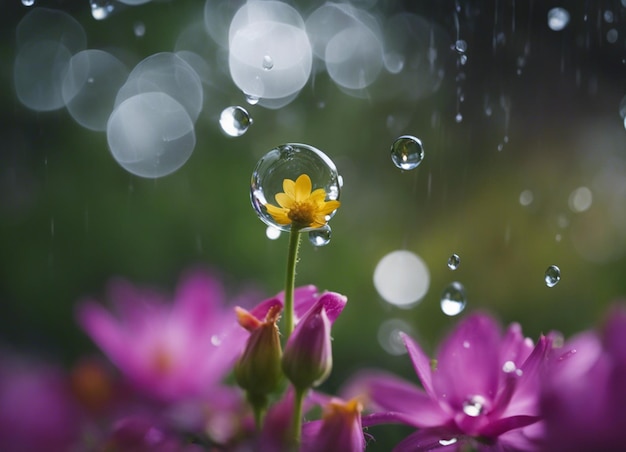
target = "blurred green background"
x: 71, y: 217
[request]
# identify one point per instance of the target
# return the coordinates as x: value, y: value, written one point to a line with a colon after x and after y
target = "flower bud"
x: 258, y: 369
x: 308, y: 360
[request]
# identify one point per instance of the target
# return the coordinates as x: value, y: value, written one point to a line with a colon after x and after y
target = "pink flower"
x: 168, y: 351
x: 482, y: 390
x: 339, y: 429
x: 584, y: 398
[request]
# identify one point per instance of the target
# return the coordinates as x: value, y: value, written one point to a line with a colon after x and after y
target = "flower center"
x: 302, y: 214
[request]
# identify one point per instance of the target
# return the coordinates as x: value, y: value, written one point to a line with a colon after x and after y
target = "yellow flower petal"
x: 303, y: 188
x: 289, y: 187
x: 278, y: 214
x: 284, y: 200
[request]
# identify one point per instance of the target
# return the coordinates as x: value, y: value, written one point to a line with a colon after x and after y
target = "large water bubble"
x: 269, y: 30
x: 558, y: 18
x: 151, y: 135
x: 167, y: 73
x: 89, y: 87
x: 402, y: 278
x: 289, y: 161
x: 407, y: 152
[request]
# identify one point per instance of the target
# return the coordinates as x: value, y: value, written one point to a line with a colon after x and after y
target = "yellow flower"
x: 299, y: 206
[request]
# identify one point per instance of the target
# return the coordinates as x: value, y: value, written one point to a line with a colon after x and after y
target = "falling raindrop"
x: 458, y: 118
x: 460, y: 46
x: 320, y: 236
x: 526, y: 197
x: 289, y: 161
x: 558, y: 18
x: 611, y: 36
x: 552, y: 276
x: 454, y: 261
x: 139, y: 29
x: 474, y: 406
x: 453, y: 299
x: 407, y: 152
x: 235, y: 121
x: 28, y: 2
x: 268, y: 63
x: 101, y: 9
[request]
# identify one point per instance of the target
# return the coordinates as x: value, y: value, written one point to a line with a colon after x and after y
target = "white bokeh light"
x: 402, y: 278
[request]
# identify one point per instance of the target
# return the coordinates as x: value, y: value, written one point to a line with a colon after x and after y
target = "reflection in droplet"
x: 28, y: 2
x: 272, y: 233
x: 474, y: 406
x: 447, y: 442
x: 407, y: 152
x: 401, y: 278
x: 320, y: 236
x: 390, y: 337
x: 289, y: 161
x: 453, y: 299
x: 460, y: 46
x: 558, y: 18
x: 235, y: 121
x: 552, y: 276
x: 454, y: 261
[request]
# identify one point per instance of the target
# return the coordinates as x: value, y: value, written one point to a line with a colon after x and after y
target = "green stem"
x: 292, y: 260
x: 296, y: 423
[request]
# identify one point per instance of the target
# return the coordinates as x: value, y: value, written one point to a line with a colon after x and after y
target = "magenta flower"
x: 37, y: 409
x: 339, y: 429
x: 584, y: 398
x: 482, y: 390
x: 307, y: 360
x: 168, y: 351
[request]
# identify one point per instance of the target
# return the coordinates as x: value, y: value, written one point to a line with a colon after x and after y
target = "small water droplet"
x: 268, y: 62
x: 447, y: 442
x: 139, y: 29
x: 552, y: 276
x: 252, y: 100
x: 463, y: 60
x: 101, y: 9
x: 611, y: 36
x: 466, y: 344
x: 320, y: 236
x: 558, y: 18
x: 608, y: 16
x: 28, y: 2
x: 215, y: 340
x: 289, y: 161
x: 458, y: 118
x: 460, y: 46
x: 453, y: 299
x: 474, y: 406
x: 526, y: 197
x: 235, y: 121
x: 407, y: 152
x: 509, y: 367
x: 454, y: 261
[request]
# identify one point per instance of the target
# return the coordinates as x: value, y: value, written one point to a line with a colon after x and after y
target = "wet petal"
x: 429, y: 440
x: 467, y: 362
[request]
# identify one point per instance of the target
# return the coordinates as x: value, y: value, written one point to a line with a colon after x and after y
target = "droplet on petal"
x: 474, y: 406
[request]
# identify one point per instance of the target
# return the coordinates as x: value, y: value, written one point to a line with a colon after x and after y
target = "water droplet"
x: 608, y: 16
x: 320, y: 236
x: 580, y: 199
x: 407, y: 152
x: 463, y: 60
x: 235, y: 121
x: 289, y: 161
x: 28, y: 2
x: 252, y: 100
x: 272, y: 233
x: 552, y: 276
x: 466, y: 344
x: 458, y: 118
x: 101, y: 9
x: 558, y: 18
x: 268, y: 62
x: 509, y: 367
x: 215, y: 340
x: 474, y: 406
x: 454, y: 261
x: 139, y: 29
x: 460, y: 46
x: 611, y: 36
x: 526, y: 197
x: 453, y: 299
x: 447, y: 442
